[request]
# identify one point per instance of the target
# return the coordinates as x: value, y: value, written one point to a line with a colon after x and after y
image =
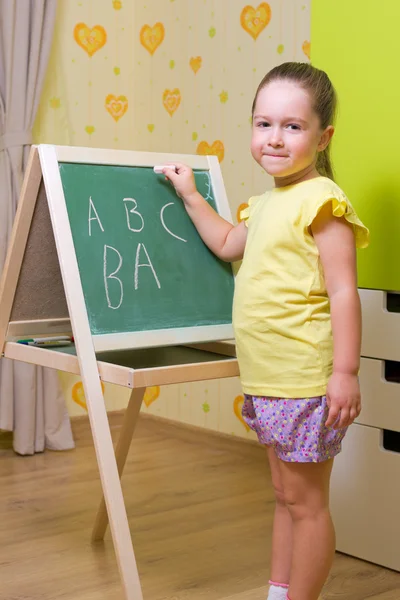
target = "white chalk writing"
x: 96, y: 218
x: 112, y: 276
x: 138, y: 265
x: 164, y: 225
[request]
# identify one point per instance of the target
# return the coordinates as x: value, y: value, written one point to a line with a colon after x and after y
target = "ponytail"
x: 324, y: 163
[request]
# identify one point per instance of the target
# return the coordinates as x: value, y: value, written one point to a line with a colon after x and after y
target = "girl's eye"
x: 263, y: 124
x: 294, y: 127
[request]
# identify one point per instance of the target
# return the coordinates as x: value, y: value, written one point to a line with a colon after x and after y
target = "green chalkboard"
x: 141, y: 262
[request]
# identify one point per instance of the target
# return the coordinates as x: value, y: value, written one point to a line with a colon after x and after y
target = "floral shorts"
x: 295, y: 428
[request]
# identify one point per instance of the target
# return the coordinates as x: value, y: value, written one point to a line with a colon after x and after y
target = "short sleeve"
x: 245, y: 213
x: 341, y: 207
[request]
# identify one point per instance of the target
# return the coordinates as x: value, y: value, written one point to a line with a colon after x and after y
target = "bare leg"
x: 281, y: 556
x: 306, y: 491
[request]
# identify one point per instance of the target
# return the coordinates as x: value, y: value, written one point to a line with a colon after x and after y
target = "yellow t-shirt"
x: 281, y: 311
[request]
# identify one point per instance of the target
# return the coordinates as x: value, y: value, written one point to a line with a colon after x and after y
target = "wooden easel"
x: 42, y: 236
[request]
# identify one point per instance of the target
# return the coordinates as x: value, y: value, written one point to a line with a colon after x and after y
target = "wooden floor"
x: 200, y: 509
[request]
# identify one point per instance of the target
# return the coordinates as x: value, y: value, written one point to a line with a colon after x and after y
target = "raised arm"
x: 224, y: 239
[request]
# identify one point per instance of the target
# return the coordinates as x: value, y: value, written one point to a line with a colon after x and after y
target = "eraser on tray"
x: 159, y: 168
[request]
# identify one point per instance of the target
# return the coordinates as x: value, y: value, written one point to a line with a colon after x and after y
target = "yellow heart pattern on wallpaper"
x: 78, y: 394
x: 254, y: 20
x: 216, y: 149
x: 152, y: 37
x: 151, y: 394
x: 195, y: 63
x: 237, y: 409
x: 171, y: 100
x: 307, y: 48
x: 91, y: 40
x: 150, y: 127
x: 239, y: 210
x: 116, y: 106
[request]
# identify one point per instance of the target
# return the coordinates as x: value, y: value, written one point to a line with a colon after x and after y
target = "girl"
x: 296, y: 313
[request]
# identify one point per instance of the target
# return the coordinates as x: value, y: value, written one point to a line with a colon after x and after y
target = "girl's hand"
x: 344, y: 399
x: 182, y: 180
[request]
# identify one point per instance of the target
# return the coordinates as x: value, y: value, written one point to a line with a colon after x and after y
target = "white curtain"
x: 31, y: 402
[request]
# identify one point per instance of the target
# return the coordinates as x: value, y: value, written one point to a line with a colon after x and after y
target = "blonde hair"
x: 322, y: 93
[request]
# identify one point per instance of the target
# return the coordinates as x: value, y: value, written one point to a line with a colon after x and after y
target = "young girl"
x: 296, y: 313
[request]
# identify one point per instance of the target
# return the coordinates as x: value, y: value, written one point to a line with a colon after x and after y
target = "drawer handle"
x: 393, y: 302
x: 392, y: 371
x: 391, y: 440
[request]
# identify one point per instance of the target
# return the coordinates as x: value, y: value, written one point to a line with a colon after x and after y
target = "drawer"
x: 381, y: 324
x: 365, y: 497
x: 380, y: 394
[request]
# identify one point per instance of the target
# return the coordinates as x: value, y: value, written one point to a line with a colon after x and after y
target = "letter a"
x: 148, y: 264
x: 96, y: 218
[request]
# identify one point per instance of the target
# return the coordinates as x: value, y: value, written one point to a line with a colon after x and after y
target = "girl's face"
x: 287, y: 135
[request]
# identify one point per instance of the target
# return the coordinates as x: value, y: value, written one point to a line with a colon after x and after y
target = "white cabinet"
x: 366, y: 476
x: 381, y: 327
x: 380, y: 393
x: 365, y: 498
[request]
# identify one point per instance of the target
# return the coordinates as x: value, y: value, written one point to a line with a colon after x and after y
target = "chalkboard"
x: 141, y: 261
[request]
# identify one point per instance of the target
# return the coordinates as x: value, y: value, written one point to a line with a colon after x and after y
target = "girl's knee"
x: 277, y: 483
x: 279, y: 496
x: 306, y: 488
x: 307, y: 506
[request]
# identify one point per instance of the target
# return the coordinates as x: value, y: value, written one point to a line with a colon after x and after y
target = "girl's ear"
x: 326, y: 138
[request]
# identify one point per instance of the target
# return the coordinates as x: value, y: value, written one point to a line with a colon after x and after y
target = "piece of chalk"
x: 159, y: 168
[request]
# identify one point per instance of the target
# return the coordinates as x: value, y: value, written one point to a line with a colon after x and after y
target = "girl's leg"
x: 306, y: 491
x: 281, y: 555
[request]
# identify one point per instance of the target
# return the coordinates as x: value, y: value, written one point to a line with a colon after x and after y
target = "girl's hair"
x: 322, y: 93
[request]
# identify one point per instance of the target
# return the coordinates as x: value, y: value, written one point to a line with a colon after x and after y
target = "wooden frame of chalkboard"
x: 41, y: 294
x: 57, y: 192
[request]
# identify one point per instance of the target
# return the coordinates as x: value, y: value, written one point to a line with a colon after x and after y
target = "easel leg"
x: 89, y: 370
x: 121, y: 452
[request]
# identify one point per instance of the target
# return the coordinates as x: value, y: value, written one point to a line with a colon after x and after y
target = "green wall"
x: 358, y: 43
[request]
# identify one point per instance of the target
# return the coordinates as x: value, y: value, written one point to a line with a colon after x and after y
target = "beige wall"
x: 169, y: 75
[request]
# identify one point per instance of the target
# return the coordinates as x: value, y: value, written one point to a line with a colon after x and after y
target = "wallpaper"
x: 169, y: 76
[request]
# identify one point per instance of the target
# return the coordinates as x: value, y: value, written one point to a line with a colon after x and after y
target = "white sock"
x: 277, y: 592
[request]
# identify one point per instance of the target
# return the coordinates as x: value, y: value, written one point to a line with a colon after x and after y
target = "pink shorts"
x: 295, y: 428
